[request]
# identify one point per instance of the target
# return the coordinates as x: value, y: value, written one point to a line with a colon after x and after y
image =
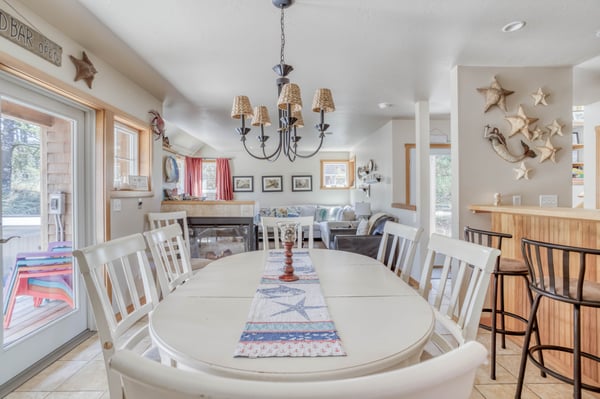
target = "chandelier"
x: 289, y: 106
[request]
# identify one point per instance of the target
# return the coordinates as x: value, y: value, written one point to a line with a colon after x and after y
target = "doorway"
x: 43, y: 151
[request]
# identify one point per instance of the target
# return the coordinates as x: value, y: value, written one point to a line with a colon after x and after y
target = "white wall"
x: 481, y: 172
x: 109, y: 86
x: 376, y: 147
x: 386, y: 147
x: 242, y: 164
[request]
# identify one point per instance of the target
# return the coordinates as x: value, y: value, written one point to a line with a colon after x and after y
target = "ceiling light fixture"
x: 289, y: 105
x: 513, y: 26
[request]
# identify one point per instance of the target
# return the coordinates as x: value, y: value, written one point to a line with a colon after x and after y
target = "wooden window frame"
x: 350, y: 173
x: 144, y: 152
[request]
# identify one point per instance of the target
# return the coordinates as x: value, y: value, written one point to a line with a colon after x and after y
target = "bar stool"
x: 558, y: 273
x: 504, y: 267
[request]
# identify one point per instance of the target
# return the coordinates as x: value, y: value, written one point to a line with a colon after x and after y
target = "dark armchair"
x: 363, y: 244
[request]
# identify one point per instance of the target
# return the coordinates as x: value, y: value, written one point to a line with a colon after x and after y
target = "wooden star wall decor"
x: 522, y: 172
x: 85, y: 69
x: 548, y: 151
x: 495, y: 95
x: 555, y: 128
x: 520, y: 124
x: 539, y: 97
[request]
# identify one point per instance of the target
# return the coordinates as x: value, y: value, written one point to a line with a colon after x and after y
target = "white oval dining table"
x: 382, y: 322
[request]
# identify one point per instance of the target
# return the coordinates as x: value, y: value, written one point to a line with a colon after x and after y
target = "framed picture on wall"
x: 243, y: 184
x: 301, y: 183
x: 272, y: 183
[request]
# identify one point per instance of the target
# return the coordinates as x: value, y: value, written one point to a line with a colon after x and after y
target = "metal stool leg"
x: 502, y: 318
x: 525, y: 352
x: 536, y: 330
x: 493, y: 326
x: 576, y: 353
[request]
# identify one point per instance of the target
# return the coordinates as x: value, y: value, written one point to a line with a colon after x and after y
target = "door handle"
x: 5, y: 240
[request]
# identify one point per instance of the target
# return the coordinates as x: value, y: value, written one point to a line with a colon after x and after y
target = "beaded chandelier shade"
x: 289, y: 106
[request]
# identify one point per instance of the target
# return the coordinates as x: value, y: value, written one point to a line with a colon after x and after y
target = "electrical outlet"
x: 549, y: 201
x: 117, y: 205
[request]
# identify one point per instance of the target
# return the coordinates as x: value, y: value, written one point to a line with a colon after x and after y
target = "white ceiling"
x: 201, y: 53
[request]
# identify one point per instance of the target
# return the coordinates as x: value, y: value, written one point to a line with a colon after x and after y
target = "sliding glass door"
x: 43, y: 303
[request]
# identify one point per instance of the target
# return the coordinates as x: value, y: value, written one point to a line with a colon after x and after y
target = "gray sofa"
x: 365, y: 244
x: 323, y: 214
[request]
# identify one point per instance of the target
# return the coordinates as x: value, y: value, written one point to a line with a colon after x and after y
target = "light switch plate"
x: 548, y: 201
x: 117, y: 205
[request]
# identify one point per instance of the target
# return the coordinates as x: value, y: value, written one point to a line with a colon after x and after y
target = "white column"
x: 422, y: 198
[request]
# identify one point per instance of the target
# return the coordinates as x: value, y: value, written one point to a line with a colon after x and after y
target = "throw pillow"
x: 362, y: 228
x: 333, y: 212
x: 348, y: 214
x: 321, y: 214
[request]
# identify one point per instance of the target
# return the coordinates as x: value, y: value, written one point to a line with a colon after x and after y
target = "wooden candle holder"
x: 288, y: 273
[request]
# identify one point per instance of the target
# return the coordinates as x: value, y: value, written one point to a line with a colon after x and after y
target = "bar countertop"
x: 555, y: 212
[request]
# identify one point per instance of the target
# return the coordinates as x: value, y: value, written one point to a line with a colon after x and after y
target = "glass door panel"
x: 41, y: 300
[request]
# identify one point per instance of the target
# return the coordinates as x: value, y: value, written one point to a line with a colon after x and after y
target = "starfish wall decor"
x: 555, y: 128
x: 522, y: 172
x: 548, y: 151
x: 495, y: 95
x: 539, y: 97
x: 85, y: 69
x: 520, y: 123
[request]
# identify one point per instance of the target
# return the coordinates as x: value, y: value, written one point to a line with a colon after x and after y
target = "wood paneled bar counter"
x: 568, y: 226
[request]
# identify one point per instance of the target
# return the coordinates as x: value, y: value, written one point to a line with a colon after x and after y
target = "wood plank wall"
x: 555, y: 318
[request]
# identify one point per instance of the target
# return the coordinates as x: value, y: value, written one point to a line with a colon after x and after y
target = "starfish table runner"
x: 289, y: 318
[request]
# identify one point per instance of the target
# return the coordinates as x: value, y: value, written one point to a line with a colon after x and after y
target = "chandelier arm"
x: 322, y: 136
x: 275, y: 153
x: 265, y: 157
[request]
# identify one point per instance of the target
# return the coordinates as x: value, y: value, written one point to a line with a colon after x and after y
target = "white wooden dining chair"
x: 161, y: 219
x: 458, y: 298
x: 449, y: 376
x: 398, y: 246
x: 122, y: 292
x: 269, y: 223
x: 172, y: 262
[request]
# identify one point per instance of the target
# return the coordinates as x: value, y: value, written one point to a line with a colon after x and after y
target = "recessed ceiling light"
x: 598, y: 33
x: 513, y: 26
x: 385, y: 105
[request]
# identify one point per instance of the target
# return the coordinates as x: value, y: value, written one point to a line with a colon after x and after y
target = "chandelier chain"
x: 282, y: 22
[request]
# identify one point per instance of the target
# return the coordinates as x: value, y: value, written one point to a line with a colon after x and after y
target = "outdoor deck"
x: 27, y: 318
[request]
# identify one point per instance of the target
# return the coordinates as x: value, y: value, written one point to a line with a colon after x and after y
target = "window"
x: 337, y: 174
x: 129, y: 148
x: 126, y: 153
x: 209, y: 179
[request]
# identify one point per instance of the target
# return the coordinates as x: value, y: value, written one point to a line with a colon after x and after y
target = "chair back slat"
x: 162, y: 219
x: 398, y: 246
x: 269, y: 223
x: 461, y: 289
x: 112, y: 272
x: 173, y: 266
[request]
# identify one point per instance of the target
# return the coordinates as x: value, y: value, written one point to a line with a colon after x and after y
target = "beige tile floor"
x: 80, y: 374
